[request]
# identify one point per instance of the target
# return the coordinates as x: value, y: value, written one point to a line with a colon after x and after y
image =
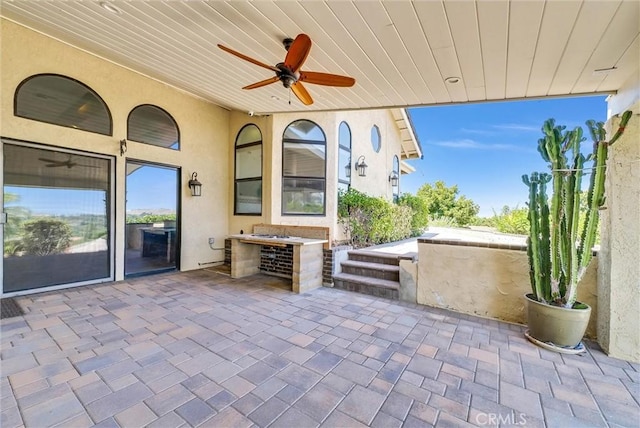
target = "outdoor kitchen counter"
x: 307, y: 258
x: 271, y: 240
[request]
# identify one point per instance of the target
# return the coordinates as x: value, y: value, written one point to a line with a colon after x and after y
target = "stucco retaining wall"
x: 619, y: 269
x: 488, y: 280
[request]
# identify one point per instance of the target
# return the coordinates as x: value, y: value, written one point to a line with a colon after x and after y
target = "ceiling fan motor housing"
x: 286, y: 76
x: 287, y: 43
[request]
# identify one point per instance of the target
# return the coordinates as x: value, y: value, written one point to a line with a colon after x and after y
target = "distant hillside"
x: 155, y: 211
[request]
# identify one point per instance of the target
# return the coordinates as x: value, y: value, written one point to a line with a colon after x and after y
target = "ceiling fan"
x: 289, y: 72
x: 69, y: 163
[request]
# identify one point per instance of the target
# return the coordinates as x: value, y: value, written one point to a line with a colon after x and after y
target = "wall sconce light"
x: 361, y: 166
x: 393, y: 179
x: 347, y: 169
x: 195, y: 185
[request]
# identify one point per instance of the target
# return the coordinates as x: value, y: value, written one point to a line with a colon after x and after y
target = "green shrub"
x: 45, y: 236
x: 512, y: 220
x: 369, y: 220
x: 439, y: 221
x: 445, y: 202
x: 485, y: 221
x: 420, y: 215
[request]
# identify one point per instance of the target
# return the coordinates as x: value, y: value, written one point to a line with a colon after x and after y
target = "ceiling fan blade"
x: 55, y: 165
x: 51, y: 161
x: 326, y: 79
x: 301, y: 92
x: 298, y: 52
x: 247, y: 58
x: 262, y: 83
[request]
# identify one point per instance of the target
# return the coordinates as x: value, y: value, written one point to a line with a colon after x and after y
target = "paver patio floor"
x: 198, y: 348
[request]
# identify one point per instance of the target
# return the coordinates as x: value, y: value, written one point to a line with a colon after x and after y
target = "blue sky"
x: 152, y: 188
x: 58, y: 201
x: 485, y: 148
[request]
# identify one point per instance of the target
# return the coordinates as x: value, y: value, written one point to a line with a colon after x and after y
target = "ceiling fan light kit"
x: 289, y: 72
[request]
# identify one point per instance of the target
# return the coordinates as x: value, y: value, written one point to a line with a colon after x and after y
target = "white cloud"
x: 478, y: 131
x: 475, y: 145
x: 516, y: 127
x: 501, y: 128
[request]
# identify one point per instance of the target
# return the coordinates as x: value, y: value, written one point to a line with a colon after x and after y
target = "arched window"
x: 304, y: 148
x: 396, y: 172
x: 150, y: 124
x: 63, y: 101
x: 248, y: 167
x: 375, y: 138
x: 344, y: 157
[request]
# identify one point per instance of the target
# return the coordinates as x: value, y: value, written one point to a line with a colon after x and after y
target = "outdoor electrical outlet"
x: 212, y: 241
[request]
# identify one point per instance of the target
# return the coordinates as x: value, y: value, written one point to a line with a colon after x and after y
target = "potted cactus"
x: 560, y: 245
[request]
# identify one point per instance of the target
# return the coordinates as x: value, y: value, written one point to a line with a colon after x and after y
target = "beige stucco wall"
x: 204, y: 132
x: 376, y: 183
x: 360, y: 122
x: 486, y: 282
x: 619, y: 268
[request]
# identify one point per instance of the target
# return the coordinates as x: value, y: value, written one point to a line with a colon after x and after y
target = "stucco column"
x: 619, y: 256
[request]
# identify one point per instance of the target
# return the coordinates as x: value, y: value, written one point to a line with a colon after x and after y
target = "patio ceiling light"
x: 604, y: 71
x: 109, y: 7
x: 451, y: 80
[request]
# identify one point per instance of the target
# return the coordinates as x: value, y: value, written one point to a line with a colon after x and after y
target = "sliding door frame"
x: 110, y: 211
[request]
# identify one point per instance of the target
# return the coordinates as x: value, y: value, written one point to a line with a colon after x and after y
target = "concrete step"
x: 365, y: 285
x: 374, y: 257
x: 372, y: 270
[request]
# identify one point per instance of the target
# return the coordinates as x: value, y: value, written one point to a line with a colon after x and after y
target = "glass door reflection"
x: 58, y: 229
x: 151, y: 231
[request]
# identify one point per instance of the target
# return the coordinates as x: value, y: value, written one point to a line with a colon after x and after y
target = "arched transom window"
x: 63, y: 101
x: 150, y: 124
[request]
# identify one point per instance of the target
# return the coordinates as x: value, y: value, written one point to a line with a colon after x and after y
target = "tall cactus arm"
x: 542, y: 149
x: 623, y: 124
x: 556, y: 144
x: 533, y: 241
x: 532, y: 271
x: 574, y: 250
x: 596, y: 129
x: 545, y: 245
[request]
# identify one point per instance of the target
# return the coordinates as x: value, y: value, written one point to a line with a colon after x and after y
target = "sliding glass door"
x: 58, y: 226
x: 151, y: 232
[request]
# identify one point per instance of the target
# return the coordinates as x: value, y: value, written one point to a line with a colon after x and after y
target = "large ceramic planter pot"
x: 556, y: 325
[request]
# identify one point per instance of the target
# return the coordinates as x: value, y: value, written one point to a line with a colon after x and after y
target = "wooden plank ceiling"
x: 401, y: 53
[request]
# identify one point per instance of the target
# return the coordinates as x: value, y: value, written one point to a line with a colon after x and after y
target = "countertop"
x: 267, y: 240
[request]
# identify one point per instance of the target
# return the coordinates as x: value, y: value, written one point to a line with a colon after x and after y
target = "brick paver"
x: 201, y: 349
